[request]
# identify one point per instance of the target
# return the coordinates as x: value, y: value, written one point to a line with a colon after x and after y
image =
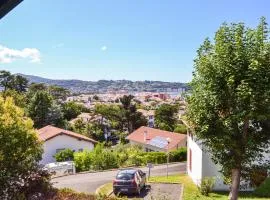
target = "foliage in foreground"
x: 264, y: 189
x: 20, y: 151
x: 68, y: 194
x: 229, y: 106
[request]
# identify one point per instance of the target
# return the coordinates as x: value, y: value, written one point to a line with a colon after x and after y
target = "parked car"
x: 129, y: 181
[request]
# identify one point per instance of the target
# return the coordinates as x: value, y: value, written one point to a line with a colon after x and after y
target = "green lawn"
x: 191, y: 191
x: 105, y: 189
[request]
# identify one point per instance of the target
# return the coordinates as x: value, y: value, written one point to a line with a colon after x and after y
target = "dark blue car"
x: 130, y: 181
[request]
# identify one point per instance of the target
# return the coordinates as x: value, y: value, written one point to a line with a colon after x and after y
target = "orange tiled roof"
x: 48, y: 132
x: 139, y: 136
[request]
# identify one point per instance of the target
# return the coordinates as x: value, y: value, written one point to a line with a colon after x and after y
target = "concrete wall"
x: 62, y: 142
x: 195, y: 171
x: 210, y: 169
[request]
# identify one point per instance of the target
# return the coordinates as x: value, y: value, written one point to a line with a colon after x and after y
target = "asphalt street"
x: 89, y: 182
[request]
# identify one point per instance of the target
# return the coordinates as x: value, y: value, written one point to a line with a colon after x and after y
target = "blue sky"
x: 119, y: 39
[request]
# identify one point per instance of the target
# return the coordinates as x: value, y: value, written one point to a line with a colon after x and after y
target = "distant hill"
x: 101, y: 86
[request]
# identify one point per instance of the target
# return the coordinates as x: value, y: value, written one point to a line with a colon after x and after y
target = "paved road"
x: 89, y: 182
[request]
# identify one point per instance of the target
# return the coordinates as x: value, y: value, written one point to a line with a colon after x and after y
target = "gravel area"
x: 158, y: 191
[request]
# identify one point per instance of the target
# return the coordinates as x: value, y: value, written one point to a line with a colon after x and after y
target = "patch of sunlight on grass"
x: 191, y: 191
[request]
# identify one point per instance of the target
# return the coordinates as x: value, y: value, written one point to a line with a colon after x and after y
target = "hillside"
x: 79, y: 86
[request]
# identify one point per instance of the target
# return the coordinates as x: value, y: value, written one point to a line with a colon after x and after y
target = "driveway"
x: 89, y: 182
x: 159, y: 191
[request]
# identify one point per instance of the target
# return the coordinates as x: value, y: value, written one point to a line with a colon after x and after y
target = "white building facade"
x: 55, y: 140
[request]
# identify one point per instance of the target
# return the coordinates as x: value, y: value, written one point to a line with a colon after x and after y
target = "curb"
x: 182, y: 192
x: 97, y: 190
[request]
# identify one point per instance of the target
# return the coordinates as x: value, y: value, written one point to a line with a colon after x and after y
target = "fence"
x: 61, y: 168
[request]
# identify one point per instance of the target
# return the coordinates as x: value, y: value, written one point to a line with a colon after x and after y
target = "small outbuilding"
x: 57, y: 139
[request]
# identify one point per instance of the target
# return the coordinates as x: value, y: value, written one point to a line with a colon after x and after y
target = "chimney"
x: 145, y: 136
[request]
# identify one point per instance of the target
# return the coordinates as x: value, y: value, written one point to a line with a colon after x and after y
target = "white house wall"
x: 62, y: 142
x: 210, y: 169
x: 196, y: 161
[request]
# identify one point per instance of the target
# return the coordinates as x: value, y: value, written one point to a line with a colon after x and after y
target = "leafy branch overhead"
x: 230, y: 102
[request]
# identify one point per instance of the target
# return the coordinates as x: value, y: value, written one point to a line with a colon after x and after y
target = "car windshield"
x: 124, y: 176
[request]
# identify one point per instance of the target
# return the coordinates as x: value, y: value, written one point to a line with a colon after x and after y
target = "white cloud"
x: 8, y: 55
x: 58, y: 45
x: 103, y: 48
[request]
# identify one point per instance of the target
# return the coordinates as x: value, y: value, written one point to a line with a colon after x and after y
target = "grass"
x: 105, y: 189
x: 191, y: 191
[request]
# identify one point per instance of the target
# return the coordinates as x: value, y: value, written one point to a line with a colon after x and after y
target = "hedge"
x: 102, y: 158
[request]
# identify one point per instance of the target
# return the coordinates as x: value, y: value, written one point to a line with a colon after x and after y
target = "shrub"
x: 83, y: 161
x: 123, y: 155
x: 64, y: 155
x: 155, y: 157
x: 178, y: 155
x: 264, y: 189
x: 180, y: 128
x: 207, y: 185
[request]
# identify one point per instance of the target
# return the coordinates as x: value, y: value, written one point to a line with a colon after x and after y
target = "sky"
x: 115, y: 39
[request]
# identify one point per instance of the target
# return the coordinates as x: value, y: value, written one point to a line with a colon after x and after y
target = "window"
x: 57, y: 150
x: 190, y: 160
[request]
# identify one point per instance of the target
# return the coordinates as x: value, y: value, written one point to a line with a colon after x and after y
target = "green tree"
x: 71, y: 110
x: 55, y: 115
x: 131, y: 117
x: 18, y: 98
x: 229, y: 107
x: 20, y: 150
x: 19, y: 83
x: 180, y: 128
x: 13, y: 82
x: 165, y: 117
x: 6, y: 80
x: 79, y: 126
x: 95, y: 131
x: 36, y: 87
x: 39, y: 108
x: 58, y: 92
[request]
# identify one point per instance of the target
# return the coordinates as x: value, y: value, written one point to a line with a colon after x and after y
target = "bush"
x: 264, y: 189
x: 123, y: 155
x: 155, y: 157
x: 83, y: 161
x: 178, y: 155
x: 64, y: 155
x: 180, y: 128
x: 99, y: 159
x: 207, y: 185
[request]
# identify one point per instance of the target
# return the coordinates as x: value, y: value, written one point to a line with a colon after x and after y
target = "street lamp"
x: 168, y: 142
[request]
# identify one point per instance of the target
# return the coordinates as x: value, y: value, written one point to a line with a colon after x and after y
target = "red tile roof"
x: 139, y: 136
x: 49, y: 132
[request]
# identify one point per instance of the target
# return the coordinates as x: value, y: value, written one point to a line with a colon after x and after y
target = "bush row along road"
x: 89, y: 182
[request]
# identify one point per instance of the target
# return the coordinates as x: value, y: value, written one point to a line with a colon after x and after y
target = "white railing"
x: 61, y: 168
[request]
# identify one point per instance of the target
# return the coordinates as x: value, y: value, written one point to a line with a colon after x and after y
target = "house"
x: 56, y: 139
x: 149, y: 115
x: 200, y: 165
x: 152, y: 139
